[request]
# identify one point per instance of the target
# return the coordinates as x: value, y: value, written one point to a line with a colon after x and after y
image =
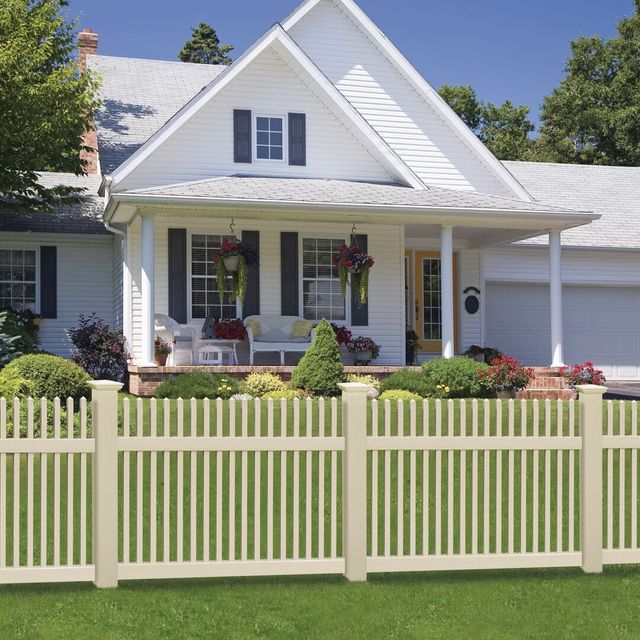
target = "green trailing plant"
x: 259, y: 384
x: 413, y: 381
x: 353, y: 262
x: 458, y: 377
x: 320, y: 369
x: 198, y: 384
x: 239, y: 276
x: 48, y: 376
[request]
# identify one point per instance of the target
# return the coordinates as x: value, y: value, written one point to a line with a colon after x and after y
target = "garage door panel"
x: 601, y: 324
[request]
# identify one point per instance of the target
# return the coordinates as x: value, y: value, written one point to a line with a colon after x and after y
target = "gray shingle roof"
x: 613, y: 192
x: 139, y: 96
x: 83, y: 217
x: 307, y: 190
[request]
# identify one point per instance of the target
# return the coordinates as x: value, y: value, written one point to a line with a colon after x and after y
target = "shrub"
x: 257, y: 384
x: 460, y: 375
x: 320, y: 368
x: 20, y: 324
x: 287, y: 394
x: 413, y: 381
x: 583, y: 374
x: 15, y: 388
x: 399, y: 394
x: 198, y: 384
x: 99, y: 349
x: 362, y: 378
x: 48, y: 376
x: 506, y: 374
x: 8, y: 350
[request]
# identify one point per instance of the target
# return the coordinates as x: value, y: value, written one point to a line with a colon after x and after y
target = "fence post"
x: 354, y: 479
x: 104, y: 408
x: 590, y: 402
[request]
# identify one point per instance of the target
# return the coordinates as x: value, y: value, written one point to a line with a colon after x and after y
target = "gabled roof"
x: 82, y: 217
x: 139, y: 96
x: 424, y: 89
x: 276, y: 36
x: 613, y: 192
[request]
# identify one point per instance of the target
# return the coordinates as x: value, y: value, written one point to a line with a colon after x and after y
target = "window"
x: 205, y: 300
x: 320, y: 283
x: 269, y: 138
x: 18, y: 279
x: 432, y: 304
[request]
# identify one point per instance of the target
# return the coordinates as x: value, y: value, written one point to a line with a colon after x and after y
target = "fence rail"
x: 120, y: 489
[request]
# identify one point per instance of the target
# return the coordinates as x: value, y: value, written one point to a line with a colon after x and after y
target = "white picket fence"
x: 168, y: 489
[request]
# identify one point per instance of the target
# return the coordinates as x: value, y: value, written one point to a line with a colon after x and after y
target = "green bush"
x: 455, y: 378
x: 20, y: 324
x: 48, y: 376
x: 363, y: 378
x: 257, y: 384
x: 320, y: 369
x: 287, y: 394
x: 198, y: 384
x: 413, y: 381
x: 399, y: 394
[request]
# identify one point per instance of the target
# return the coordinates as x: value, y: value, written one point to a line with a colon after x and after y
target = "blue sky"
x: 504, y: 48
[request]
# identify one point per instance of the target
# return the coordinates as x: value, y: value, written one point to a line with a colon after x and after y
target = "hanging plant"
x: 234, y: 258
x: 353, y: 263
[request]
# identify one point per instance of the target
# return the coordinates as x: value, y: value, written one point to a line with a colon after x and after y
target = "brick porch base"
x: 547, y: 382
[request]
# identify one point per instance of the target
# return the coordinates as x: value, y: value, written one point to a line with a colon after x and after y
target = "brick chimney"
x: 88, y: 45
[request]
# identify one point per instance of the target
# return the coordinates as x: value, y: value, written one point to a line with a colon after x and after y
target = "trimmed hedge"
x: 257, y: 384
x: 455, y: 378
x: 413, y: 381
x: 399, y: 394
x: 46, y: 376
x: 198, y: 384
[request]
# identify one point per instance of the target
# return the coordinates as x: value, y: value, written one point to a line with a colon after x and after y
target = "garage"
x: 601, y: 324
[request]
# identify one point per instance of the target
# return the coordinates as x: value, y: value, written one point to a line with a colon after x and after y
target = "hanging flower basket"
x: 234, y: 258
x: 354, y: 265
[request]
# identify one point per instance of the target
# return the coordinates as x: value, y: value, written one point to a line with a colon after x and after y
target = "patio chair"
x: 181, y: 338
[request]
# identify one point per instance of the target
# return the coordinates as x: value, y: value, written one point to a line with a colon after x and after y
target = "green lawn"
x: 489, y: 604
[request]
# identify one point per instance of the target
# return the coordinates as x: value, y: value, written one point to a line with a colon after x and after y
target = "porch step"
x: 547, y: 384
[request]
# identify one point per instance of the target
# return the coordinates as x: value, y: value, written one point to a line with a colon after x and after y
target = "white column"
x: 446, y: 280
x: 147, y: 290
x: 555, y: 288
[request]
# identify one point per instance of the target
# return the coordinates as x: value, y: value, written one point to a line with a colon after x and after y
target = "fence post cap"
x: 354, y: 387
x: 105, y: 385
x: 591, y: 389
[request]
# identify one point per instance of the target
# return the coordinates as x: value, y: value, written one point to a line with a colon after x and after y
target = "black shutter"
x: 297, y: 139
x: 289, y: 273
x: 178, y: 275
x: 48, y: 282
x: 241, y: 135
x: 251, y: 306
x: 359, y: 314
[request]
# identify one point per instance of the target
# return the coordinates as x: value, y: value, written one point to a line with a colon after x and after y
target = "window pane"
x: 18, y: 278
x: 276, y: 153
x: 322, y: 297
x: 263, y: 152
x: 263, y: 124
x: 276, y: 124
x: 276, y: 139
x: 262, y: 137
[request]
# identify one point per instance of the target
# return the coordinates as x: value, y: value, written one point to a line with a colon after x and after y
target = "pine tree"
x: 204, y: 47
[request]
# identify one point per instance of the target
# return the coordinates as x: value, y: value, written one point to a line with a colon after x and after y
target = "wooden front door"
x: 427, y: 299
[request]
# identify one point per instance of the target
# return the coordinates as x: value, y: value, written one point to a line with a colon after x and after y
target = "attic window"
x: 270, y: 138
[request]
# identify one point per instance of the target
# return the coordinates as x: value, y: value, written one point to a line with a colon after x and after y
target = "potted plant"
x: 364, y: 350
x: 584, y: 373
x: 229, y: 330
x: 162, y: 351
x: 234, y: 258
x: 506, y: 376
x: 412, y: 343
x: 354, y: 263
x: 482, y: 354
x: 343, y: 337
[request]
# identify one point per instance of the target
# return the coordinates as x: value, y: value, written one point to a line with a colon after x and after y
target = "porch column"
x: 147, y: 260
x: 446, y: 283
x: 555, y: 288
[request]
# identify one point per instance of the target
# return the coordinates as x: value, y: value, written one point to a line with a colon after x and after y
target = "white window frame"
x: 285, y: 138
x: 36, y: 250
x: 201, y: 232
x: 314, y: 236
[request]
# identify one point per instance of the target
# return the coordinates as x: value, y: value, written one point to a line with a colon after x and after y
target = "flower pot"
x: 161, y: 359
x: 478, y: 357
x: 362, y: 357
x: 506, y: 394
x: 346, y: 356
x: 37, y: 322
x: 231, y: 263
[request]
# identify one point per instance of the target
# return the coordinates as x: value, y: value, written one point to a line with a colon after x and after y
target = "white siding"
x: 85, y: 282
x: 413, y: 128
x: 118, y: 257
x: 469, y: 276
x: 203, y: 147
x: 386, y: 287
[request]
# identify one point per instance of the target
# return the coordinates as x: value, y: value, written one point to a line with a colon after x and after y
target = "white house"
x: 320, y: 130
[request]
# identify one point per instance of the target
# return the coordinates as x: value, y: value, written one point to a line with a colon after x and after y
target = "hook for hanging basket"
x: 232, y: 228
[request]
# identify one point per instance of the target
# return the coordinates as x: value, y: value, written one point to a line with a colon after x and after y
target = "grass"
x: 518, y: 604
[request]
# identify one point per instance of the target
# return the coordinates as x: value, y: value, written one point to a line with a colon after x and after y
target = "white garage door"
x: 601, y: 324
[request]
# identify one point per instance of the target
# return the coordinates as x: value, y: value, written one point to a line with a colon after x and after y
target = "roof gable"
x: 159, y: 161
x: 398, y: 102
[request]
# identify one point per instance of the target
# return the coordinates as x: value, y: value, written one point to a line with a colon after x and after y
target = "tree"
x: 593, y: 116
x: 46, y: 103
x: 503, y: 128
x: 204, y: 47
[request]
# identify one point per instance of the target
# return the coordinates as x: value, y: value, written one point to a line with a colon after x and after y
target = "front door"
x: 427, y: 306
